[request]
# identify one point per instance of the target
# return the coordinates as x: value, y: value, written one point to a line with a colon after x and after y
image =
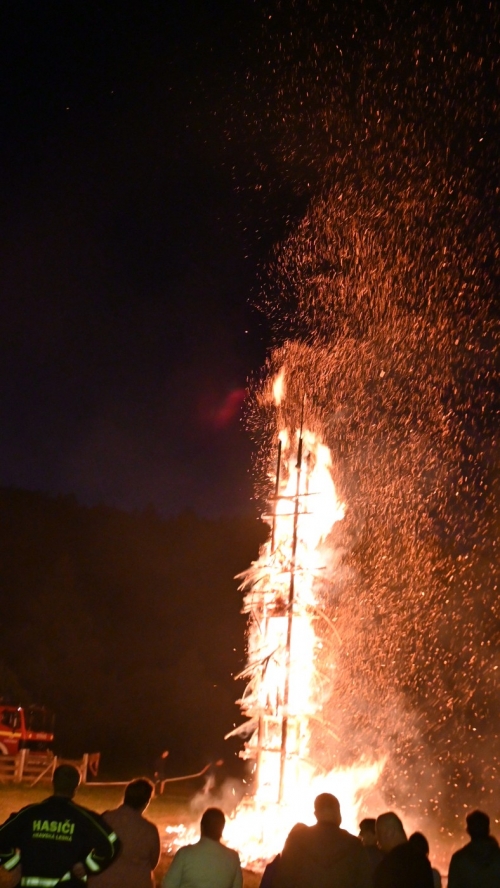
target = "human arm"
x: 155, y: 849
x: 269, y: 873
x: 173, y: 877
x: 10, y: 836
x: 454, y: 873
x: 238, y: 876
x: 101, y: 841
x: 436, y: 875
x: 10, y: 879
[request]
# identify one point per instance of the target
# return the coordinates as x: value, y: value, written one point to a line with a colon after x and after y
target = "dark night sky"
x: 129, y: 258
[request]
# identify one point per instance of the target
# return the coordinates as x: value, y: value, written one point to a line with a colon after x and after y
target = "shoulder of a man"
x: 351, y: 841
x: 89, y: 819
x: 216, y: 848
x: 403, y: 859
x: 86, y: 812
x: 22, y: 815
x: 150, y: 829
x: 231, y: 853
x: 460, y: 855
x: 218, y: 851
x: 149, y: 823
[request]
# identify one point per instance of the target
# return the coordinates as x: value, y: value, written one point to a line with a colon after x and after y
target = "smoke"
x: 226, y: 796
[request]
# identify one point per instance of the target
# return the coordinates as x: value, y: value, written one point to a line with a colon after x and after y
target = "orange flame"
x: 282, y: 696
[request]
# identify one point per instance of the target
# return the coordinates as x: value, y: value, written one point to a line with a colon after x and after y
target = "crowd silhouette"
x: 326, y: 856
x: 56, y: 841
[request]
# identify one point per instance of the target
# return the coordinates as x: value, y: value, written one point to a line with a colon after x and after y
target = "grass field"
x: 166, y: 810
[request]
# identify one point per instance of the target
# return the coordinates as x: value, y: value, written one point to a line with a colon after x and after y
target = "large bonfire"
x: 285, y: 690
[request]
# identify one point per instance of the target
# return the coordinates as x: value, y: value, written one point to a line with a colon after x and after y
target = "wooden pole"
x: 276, y: 494
x: 291, y: 600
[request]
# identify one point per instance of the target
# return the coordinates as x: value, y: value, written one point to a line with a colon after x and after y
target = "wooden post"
x: 50, y: 767
x: 19, y: 768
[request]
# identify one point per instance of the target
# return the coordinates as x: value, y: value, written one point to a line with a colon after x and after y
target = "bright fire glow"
x: 282, y: 697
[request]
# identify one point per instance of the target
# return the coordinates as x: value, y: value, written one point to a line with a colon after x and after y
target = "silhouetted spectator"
x: 404, y: 865
x: 57, y: 841
x: 324, y: 856
x: 207, y: 864
x: 420, y: 842
x: 476, y: 865
x: 140, y: 841
x: 368, y: 836
x: 271, y: 870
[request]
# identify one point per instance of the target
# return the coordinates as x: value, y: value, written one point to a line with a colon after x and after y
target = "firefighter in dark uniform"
x: 57, y: 841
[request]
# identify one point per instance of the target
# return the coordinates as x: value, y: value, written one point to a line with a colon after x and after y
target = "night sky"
x: 150, y: 162
x: 130, y: 254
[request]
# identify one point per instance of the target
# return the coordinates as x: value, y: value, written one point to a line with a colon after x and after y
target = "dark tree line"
x: 127, y: 625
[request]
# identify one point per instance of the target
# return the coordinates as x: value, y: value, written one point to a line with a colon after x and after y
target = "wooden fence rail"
x: 8, y: 768
x: 36, y: 767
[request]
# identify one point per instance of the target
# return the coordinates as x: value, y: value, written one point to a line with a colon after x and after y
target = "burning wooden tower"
x: 280, y: 597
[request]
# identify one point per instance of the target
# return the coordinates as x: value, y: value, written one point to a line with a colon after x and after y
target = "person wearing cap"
x: 57, y: 841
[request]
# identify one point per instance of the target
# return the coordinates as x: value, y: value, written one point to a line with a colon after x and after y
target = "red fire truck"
x: 31, y: 727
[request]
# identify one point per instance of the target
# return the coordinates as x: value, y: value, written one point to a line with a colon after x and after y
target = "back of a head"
x: 390, y: 831
x: 327, y: 809
x: 418, y: 840
x: 367, y: 831
x: 294, y: 836
x: 478, y: 825
x: 212, y: 824
x: 66, y: 780
x: 138, y: 794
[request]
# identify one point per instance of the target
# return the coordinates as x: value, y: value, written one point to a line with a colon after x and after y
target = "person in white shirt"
x: 208, y: 863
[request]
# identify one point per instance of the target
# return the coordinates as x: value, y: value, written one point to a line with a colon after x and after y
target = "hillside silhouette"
x: 127, y: 625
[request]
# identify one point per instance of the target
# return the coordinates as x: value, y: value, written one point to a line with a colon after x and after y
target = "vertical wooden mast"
x: 291, y: 601
x: 260, y: 730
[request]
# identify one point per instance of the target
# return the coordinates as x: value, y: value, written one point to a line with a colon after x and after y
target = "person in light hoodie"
x: 207, y: 863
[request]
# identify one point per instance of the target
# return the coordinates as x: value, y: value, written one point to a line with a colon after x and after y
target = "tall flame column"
x: 280, y: 698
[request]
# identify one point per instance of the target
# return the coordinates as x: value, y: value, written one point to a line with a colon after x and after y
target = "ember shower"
x: 383, y: 304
